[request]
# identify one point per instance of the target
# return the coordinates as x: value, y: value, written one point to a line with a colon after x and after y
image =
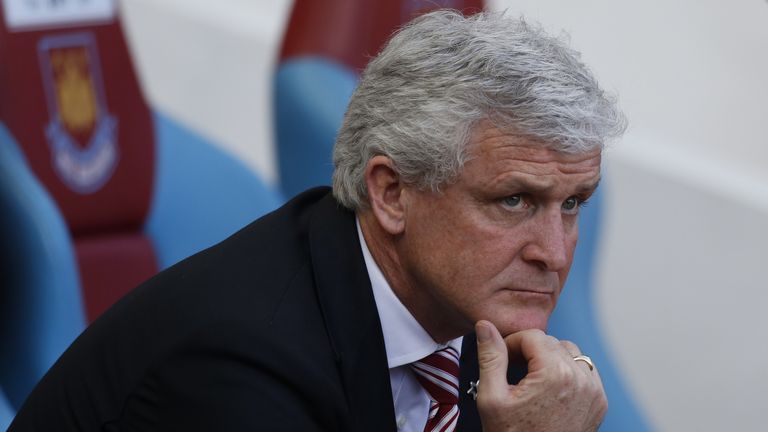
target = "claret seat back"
x: 97, y: 191
x: 70, y: 99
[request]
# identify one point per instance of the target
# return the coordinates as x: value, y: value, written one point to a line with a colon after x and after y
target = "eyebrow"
x: 540, y: 185
x: 589, y: 187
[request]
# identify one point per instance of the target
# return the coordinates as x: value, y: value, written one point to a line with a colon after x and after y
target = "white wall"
x: 681, y: 282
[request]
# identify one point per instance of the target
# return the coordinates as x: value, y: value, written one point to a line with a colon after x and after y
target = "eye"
x: 573, y: 204
x: 513, y: 201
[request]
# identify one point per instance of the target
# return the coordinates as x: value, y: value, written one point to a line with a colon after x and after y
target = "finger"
x: 572, y: 348
x: 536, y: 348
x: 574, y: 351
x: 492, y: 359
x: 601, y: 404
x: 586, y: 364
x: 598, y: 379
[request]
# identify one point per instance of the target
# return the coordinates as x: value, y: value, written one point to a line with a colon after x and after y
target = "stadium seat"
x: 97, y: 190
x: 325, y: 47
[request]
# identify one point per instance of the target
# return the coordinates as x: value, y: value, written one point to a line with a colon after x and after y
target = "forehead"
x: 496, y: 157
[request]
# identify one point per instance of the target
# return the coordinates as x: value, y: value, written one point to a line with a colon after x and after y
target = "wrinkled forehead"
x: 501, y: 163
x: 494, y: 126
x: 486, y: 140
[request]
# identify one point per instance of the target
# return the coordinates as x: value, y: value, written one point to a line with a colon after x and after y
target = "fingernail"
x: 483, y: 332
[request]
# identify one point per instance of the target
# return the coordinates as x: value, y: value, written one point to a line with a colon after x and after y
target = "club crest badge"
x: 81, y: 132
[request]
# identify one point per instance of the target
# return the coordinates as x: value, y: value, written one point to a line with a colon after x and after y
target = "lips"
x: 532, y: 294
x: 532, y: 291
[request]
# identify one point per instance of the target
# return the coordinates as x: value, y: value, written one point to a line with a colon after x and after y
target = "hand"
x: 558, y: 394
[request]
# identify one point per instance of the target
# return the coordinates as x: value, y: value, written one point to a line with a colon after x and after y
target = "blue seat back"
x: 41, y: 310
x: 201, y: 194
x: 311, y: 98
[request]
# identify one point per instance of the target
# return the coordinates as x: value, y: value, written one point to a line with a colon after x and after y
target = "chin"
x: 520, y: 321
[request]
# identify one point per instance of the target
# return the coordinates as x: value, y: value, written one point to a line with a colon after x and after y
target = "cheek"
x: 439, y: 242
x: 456, y: 249
x: 426, y: 253
x: 483, y: 262
x: 456, y: 265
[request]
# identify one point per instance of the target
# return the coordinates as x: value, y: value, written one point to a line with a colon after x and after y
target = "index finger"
x: 536, y: 348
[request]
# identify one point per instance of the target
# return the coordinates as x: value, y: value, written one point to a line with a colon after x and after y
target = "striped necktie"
x: 438, y: 373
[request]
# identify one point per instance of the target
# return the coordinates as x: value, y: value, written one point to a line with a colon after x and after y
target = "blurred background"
x: 680, y: 280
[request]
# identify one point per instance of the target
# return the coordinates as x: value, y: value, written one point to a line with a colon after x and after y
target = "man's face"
x: 498, y: 243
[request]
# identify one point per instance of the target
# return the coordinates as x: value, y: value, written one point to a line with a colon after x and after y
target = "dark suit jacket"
x: 273, y: 329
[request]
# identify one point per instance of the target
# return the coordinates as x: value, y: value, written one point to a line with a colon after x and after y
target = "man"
x: 464, y: 157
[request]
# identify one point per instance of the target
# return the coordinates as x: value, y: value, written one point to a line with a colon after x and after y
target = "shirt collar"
x: 405, y: 340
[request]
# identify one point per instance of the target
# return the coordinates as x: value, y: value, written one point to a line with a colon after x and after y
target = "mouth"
x: 540, y: 290
x: 541, y: 294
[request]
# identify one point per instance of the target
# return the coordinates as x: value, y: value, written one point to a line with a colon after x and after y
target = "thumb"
x: 493, y: 359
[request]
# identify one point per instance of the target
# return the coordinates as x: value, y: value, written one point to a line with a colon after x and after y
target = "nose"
x: 549, y: 246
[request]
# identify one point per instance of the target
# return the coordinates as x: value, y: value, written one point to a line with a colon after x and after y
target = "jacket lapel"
x: 351, y: 317
x: 469, y: 419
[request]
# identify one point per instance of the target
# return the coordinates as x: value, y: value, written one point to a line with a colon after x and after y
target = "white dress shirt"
x: 405, y: 342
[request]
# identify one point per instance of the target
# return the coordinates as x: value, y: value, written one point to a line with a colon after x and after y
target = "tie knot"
x: 438, y: 373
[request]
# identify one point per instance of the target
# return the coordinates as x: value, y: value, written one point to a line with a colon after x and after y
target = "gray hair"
x: 441, y: 74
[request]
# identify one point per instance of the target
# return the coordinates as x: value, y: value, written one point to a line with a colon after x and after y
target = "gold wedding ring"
x: 586, y: 360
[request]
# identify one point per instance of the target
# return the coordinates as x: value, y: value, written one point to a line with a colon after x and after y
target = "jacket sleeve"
x: 221, y: 383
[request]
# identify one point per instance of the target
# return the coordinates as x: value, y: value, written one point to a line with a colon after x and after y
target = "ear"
x: 386, y: 194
